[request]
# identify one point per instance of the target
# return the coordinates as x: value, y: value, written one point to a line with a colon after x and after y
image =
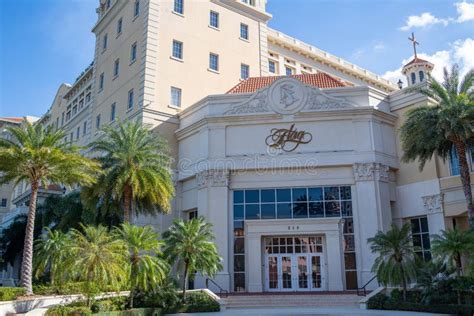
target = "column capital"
x: 212, y: 178
x: 433, y: 203
x: 371, y: 171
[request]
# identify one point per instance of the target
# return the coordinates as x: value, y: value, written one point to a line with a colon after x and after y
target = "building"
x: 291, y: 153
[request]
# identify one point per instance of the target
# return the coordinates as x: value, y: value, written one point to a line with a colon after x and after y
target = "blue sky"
x: 46, y: 42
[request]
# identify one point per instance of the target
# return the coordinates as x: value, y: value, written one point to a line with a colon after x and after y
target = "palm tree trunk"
x: 186, y: 266
x: 127, y: 202
x: 457, y: 260
x: 404, y: 284
x: 466, y: 181
x: 27, y: 262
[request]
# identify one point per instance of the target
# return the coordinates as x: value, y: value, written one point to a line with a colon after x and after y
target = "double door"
x: 294, y: 272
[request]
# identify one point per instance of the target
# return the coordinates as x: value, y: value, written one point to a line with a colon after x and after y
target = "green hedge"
x: 61, y: 310
x: 196, y: 302
x: 133, y: 312
x: 11, y: 293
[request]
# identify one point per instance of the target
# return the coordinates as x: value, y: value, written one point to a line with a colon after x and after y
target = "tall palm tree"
x: 438, y: 129
x: 97, y: 257
x: 395, y: 263
x: 190, y: 245
x: 146, y: 269
x: 137, y: 169
x: 452, y: 245
x: 40, y: 156
x: 52, y: 250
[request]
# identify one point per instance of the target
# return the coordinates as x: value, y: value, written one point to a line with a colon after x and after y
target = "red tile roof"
x: 12, y: 119
x: 321, y: 80
x: 417, y: 60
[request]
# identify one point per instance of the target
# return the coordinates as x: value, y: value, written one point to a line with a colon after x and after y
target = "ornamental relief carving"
x: 371, y: 171
x: 256, y: 104
x: 320, y: 101
x: 433, y: 203
x: 212, y: 178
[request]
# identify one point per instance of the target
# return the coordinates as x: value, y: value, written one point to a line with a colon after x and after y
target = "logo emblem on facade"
x: 287, y: 96
x: 287, y: 139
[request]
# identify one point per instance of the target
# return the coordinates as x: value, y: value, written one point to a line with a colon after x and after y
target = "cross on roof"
x: 413, y: 40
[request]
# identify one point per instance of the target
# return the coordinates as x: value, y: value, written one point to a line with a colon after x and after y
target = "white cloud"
x: 379, y: 46
x: 357, y: 54
x: 465, y: 11
x: 424, y: 20
x: 460, y: 52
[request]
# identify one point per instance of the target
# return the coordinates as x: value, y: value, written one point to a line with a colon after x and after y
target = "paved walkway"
x: 308, y: 312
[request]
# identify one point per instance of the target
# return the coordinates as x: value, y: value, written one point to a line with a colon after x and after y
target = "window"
x: 116, y: 67
x: 71, y: 137
x: 84, y: 128
x: 454, y: 160
x: 133, y: 52
x: 119, y: 26
x: 244, y: 71
x: 104, y: 42
x: 130, y: 99
x: 112, y: 112
x: 289, y: 71
x: 271, y: 66
x: 107, y: 4
x: 88, y: 97
x: 136, y: 8
x: 214, y: 19
x: 244, y: 31
x: 4, y: 203
x: 422, y: 76
x: 413, y: 78
x: 57, y: 122
x: 101, y: 81
x: 97, y: 121
x: 78, y: 132
x: 421, y: 237
x: 214, y: 62
x: 178, y: 6
x: 175, y: 96
x: 192, y: 214
x: 177, y: 49
x: 62, y: 119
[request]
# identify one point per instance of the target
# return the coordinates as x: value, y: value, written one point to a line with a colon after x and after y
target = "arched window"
x: 422, y: 76
x: 413, y: 78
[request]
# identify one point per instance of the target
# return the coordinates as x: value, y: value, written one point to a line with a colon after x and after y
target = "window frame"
x: 105, y: 40
x: 242, y: 67
x: 216, y: 14
x: 133, y: 53
x: 130, y: 99
x: 177, y: 44
x: 119, y: 26
x: 113, y: 108
x: 97, y: 121
x: 116, y: 68
x: 179, y: 94
x: 244, y: 27
x: 180, y: 5
x: 101, y: 81
x: 211, y: 55
x: 136, y: 8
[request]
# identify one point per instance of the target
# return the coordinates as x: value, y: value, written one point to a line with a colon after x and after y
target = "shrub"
x: 11, y: 293
x: 60, y: 289
x: 164, y: 296
x: 61, y: 310
x: 133, y: 312
x: 107, y: 305
x: 377, y: 301
x: 196, y: 302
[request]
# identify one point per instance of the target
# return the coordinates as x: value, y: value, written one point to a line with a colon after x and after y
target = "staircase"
x: 310, y: 300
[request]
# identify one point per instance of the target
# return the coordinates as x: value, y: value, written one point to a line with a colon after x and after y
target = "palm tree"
x: 97, y: 257
x: 190, y: 244
x: 146, y: 270
x: 52, y: 250
x: 395, y: 263
x: 39, y: 157
x: 443, y: 127
x: 137, y: 169
x: 452, y: 245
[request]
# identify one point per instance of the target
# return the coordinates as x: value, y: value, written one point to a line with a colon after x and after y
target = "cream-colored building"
x: 290, y: 152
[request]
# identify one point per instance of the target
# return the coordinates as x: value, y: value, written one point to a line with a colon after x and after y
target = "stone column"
x: 433, y: 205
x: 371, y: 212
x: 213, y: 206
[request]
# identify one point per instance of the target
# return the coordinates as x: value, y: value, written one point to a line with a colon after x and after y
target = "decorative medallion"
x: 287, y: 96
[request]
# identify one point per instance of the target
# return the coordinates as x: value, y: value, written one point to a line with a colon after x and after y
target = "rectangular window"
x: 97, y: 121
x: 130, y: 99
x: 116, y: 67
x: 84, y: 128
x: 101, y: 81
x: 119, y: 26
x: 289, y: 71
x: 244, y: 31
x: 57, y: 122
x: 4, y: 203
x: 214, y: 19
x: 175, y: 96
x: 71, y: 137
x: 178, y: 6
x: 421, y: 237
x: 108, y: 4
x: 62, y: 119
x: 271, y: 66
x: 112, y: 112
x: 133, y: 52
x: 177, y: 49
x: 78, y: 132
x: 214, y: 62
x: 136, y: 8
x: 244, y: 71
x: 104, y: 42
x: 88, y: 97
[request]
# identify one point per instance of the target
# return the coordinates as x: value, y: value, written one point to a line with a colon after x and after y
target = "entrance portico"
x: 294, y: 266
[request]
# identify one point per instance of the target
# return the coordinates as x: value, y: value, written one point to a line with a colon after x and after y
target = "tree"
x: 137, y: 169
x: 98, y: 258
x: 146, y: 269
x: 190, y: 245
x: 452, y: 245
x: 40, y: 156
x: 395, y: 263
x: 446, y: 126
x: 52, y: 250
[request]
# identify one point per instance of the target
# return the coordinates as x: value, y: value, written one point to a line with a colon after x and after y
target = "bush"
x: 61, y: 310
x: 11, y: 293
x: 61, y: 289
x: 108, y: 305
x: 165, y: 296
x: 133, y: 312
x: 377, y: 301
x: 196, y: 302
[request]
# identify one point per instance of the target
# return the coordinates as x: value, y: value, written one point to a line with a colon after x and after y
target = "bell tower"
x: 416, y: 70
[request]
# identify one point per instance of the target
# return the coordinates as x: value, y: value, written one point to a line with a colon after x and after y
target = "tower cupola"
x: 417, y: 70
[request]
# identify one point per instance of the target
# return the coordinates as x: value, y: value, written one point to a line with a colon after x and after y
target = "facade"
x: 290, y: 152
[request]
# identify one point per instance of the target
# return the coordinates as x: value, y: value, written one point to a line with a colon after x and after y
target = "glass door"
x: 302, y: 272
x: 316, y: 272
x: 286, y: 273
x: 272, y: 273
